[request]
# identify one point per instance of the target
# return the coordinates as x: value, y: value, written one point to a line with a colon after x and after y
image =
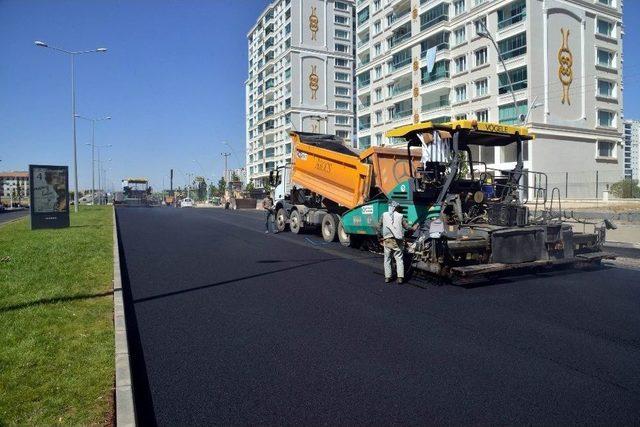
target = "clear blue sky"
x: 173, y: 81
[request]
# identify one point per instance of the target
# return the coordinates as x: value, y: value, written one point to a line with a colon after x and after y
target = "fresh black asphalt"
x: 228, y: 325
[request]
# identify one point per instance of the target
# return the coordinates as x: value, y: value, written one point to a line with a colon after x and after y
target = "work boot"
x: 400, y: 280
x: 387, y: 280
x: 266, y: 232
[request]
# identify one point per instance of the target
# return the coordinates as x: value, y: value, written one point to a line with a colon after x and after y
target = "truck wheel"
x: 347, y: 239
x: 295, y: 222
x: 281, y: 220
x: 329, y: 227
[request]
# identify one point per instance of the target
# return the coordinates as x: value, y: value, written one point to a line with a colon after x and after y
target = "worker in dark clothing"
x: 267, y: 205
x: 391, y: 230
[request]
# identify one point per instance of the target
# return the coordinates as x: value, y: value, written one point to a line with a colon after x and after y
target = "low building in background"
x: 14, y: 184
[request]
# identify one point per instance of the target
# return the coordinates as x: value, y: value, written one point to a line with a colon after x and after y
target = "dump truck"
x: 474, y: 221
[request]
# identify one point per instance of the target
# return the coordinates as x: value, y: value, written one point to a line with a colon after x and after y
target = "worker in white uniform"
x: 391, y: 230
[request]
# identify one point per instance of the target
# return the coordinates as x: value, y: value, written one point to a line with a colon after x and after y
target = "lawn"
x: 56, y: 321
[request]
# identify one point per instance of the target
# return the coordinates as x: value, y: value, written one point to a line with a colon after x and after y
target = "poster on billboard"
x: 49, y: 196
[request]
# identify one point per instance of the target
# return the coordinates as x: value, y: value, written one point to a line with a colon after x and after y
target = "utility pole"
x: 226, y: 155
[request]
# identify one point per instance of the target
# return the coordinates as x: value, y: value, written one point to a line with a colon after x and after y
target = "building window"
x: 342, y: 91
x: 376, y: 5
x: 461, y: 63
x: 377, y: 49
x: 377, y: 27
x: 605, y: 88
x: 605, y: 148
x: 434, y: 15
x: 518, y: 80
x: 342, y: 120
x: 342, y: 47
x: 606, y: 2
x: 364, y: 142
x: 482, y: 87
x: 341, y: 105
x: 513, y: 46
x: 378, y: 139
x: 606, y: 58
x: 377, y: 95
x: 339, y: 19
x: 481, y: 56
x: 342, y: 34
x: 364, y: 79
x: 461, y: 117
x: 342, y: 77
x: 341, y: 62
x: 378, y: 72
x: 480, y: 25
x: 378, y: 117
x: 509, y: 115
x: 363, y: 16
x: 341, y: 6
x: 458, y: 7
x: 344, y: 134
x: 512, y: 14
x: 606, y: 118
x: 461, y: 93
x: 604, y: 28
x: 482, y: 115
x: 459, y: 36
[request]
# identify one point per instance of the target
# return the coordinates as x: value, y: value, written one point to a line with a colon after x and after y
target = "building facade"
x: 301, y: 72
x: 563, y: 57
x: 631, y: 149
x: 14, y: 184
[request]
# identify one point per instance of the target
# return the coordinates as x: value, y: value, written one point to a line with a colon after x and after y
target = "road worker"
x: 391, y: 230
x: 267, y: 205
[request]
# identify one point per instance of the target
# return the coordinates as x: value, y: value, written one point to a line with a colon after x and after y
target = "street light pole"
x: 93, y: 148
x: 72, y: 55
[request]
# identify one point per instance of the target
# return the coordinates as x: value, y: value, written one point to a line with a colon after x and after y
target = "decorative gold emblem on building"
x: 416, y: 91
x: 314, y: 82
x: 416, y: 118
x: 414, y: 13
x: 416, y: 65
x: 313, y: 23
x: 565, y: 69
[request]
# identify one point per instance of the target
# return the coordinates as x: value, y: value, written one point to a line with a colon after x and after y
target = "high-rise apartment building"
x: 632, y: 149
x: 301, y: 73
x: 563, y: 58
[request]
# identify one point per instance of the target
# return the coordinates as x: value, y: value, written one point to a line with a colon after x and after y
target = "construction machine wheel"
x: 347, y: 239
x: 295, y: 222
x: 281, y: 220
x: 330, y: 227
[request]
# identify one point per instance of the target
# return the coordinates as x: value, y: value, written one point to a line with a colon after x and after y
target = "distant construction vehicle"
x: 473, y: 219
x: 136, y: 192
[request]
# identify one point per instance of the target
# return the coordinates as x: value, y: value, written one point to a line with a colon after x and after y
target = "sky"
x: 172, y: 81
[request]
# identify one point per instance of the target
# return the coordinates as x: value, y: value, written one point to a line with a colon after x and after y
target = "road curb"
x: 2, y: 224
x: 630, y: 250
x: 125, y: 410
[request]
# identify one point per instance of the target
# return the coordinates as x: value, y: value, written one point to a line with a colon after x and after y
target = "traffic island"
x: 56, y: 312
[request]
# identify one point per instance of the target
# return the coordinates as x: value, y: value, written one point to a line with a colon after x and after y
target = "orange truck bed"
x: 324, y: 166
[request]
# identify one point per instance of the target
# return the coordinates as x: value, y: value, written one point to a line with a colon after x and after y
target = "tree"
x: 213, y: 190
x: 222, y: 185
x: 235, y: 177
x: 250, y: 187
x: 201, y: 193
x: 626, y: 189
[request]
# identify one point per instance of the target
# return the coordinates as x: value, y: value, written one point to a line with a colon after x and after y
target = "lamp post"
x: 93, y: 147
x: 72, y: 56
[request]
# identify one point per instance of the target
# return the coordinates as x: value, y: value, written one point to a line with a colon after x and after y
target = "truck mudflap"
x: 469, y: 273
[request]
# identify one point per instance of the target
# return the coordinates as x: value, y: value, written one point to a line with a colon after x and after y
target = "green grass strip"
x: 56, y: 321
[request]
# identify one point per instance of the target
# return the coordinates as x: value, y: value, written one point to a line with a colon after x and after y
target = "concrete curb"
x: 125, y: 410
x: 2, y: 224
x: 629, y: 250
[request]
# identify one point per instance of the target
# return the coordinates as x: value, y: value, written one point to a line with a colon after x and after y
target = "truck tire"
x: 295, y: 222
x: 329, y: 227
x: 281, y: 220
x: 347, y: 239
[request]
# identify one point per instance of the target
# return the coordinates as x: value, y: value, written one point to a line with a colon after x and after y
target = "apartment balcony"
x: 401, y: 35
x: 435, y: 76
x: 434, y: 16
x: 362, y: 126
x: 513, y: 20
x: 362, y: 83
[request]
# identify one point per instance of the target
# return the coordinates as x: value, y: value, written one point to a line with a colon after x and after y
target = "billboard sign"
x: 49, y: 196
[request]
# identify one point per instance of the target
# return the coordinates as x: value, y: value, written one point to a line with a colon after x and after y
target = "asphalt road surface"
x: 228, y: 325
x: 7, y: 216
